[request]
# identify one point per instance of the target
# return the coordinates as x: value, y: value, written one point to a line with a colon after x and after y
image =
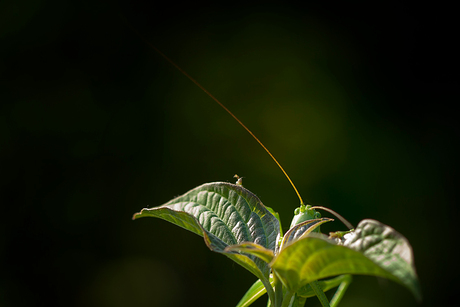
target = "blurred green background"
x: 356, y: 102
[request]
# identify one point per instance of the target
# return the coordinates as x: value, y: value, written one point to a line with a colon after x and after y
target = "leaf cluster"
x: 290, y: 268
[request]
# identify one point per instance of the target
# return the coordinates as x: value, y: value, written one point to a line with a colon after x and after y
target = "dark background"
x: 356, y: 102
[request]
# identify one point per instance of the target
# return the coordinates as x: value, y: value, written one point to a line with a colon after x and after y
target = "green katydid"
x: 234, y: 222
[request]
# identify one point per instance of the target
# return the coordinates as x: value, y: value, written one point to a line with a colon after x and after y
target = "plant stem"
x: 301, y: 301
x: 278, y: 291
x: 287, y: 298
x: 269, y: 288
x: 319, y: 293
x: 298, y: 301
x: 341, y: 291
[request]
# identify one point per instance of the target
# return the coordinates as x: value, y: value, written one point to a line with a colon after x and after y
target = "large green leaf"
x: 224, y: 214
x: 373, y: 249
x: 387, y: 248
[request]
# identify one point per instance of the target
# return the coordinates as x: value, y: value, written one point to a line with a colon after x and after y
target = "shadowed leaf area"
x: 373, y: 249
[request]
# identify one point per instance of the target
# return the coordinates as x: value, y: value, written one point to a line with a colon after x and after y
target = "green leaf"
x: 373, y: 249
x: 224, y: 214
x: 387, y: 248
x: 276, y: 214
x: 256, y: 291
x: 253, y: 249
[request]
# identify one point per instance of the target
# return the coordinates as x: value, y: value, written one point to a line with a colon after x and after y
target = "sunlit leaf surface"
x: 224, y: 214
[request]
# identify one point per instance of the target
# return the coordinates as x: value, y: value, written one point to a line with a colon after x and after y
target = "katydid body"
x: 303, y: 214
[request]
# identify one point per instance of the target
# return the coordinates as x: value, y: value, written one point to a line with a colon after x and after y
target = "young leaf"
x: 303, y: 229
x: 252, y: 249
x: 375, y: 249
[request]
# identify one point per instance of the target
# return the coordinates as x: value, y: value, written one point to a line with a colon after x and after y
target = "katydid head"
x: 304, y: 213
x: 308, y: 212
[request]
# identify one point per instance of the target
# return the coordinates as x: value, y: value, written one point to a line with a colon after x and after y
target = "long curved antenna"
x: 215, y: 99
x: 341, y: 218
